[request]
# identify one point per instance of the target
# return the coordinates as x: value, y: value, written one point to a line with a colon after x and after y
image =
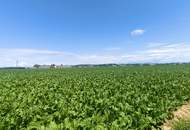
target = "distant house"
x: 53, y: 66
x: 60, y: 66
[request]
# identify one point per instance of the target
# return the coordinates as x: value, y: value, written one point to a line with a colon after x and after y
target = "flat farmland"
x: 132, y: 98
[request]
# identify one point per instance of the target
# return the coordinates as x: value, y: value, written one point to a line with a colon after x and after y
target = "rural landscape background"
x: 94, y: 64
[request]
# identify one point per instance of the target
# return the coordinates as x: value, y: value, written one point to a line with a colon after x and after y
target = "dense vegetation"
x: 84, y: 98
x: 181, y: 125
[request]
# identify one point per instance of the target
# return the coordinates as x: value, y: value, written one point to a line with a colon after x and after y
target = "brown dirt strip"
x: 182, y: 112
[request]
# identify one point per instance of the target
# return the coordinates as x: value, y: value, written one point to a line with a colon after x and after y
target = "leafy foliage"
x: 181, y: 125
x: 132, y: 98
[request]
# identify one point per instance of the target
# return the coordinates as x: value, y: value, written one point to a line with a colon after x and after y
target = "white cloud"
x: 156, y: 44
x: 163, y: 53
x: 137, y: 32
x: 29, y: 57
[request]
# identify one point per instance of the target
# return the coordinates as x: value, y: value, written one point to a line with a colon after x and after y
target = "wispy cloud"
x: 29, y: 57
x: 156, y: 44
x: 164, y: 53
x: 160, y: 53
x: 137, y: 32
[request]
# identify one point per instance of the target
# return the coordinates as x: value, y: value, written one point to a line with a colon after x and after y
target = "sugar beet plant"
x: 131, y: 98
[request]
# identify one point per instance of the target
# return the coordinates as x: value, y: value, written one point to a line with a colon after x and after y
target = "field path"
x: 182, y: 112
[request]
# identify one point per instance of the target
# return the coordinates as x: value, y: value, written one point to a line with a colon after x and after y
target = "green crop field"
x: 131, y: 98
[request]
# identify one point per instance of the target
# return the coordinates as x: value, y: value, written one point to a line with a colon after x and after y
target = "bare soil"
x: 182, y: 112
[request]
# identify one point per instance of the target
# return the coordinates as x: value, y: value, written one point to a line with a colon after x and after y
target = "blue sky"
x: 94, y: 31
